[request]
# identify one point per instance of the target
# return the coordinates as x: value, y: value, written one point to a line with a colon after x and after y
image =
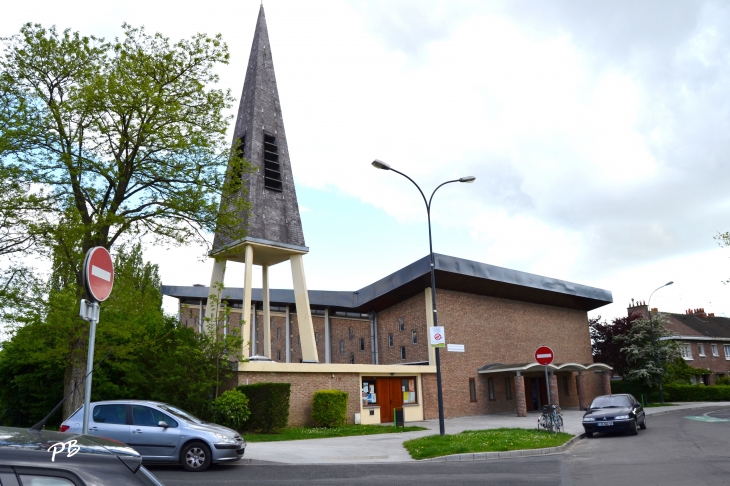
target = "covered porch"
x: 569, y: 384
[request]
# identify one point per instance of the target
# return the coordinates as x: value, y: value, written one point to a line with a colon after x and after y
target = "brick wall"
x: 340, y: 328
x: 413, y: 313
x: 303, y: 386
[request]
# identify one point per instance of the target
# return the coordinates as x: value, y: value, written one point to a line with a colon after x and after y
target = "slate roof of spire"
x: 274, y: 217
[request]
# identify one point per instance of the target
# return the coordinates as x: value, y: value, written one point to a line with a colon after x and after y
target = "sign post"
x: 544, y: 356
x: 98, y: 279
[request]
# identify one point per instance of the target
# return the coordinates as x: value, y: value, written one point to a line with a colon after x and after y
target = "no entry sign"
x: 544, y: 355
x: 98, y: 273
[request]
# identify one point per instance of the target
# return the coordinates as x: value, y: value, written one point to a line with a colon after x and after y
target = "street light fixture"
x: 379, y: 164
x: 653, y: 341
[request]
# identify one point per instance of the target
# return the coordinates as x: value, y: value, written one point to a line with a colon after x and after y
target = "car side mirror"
x: 162, y: 423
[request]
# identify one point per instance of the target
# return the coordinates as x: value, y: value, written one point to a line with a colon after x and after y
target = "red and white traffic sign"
x: 98, y: 273
x: 544, y: 355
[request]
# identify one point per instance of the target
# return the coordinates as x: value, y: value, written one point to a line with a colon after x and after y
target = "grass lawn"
x: 495, y: 440
x: 298, y: 433
x: 650, y: 405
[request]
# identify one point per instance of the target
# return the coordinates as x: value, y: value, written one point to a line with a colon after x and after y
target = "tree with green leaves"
x: 114, y: 140
x: 648, y: 350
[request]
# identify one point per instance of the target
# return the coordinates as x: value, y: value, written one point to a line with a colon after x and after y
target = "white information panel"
x: 455, y: 348
x: 437, y: 337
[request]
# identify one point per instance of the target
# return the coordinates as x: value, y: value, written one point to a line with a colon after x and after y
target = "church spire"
x: 274, y: 215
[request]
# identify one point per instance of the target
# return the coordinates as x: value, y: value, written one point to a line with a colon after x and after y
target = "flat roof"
x: 452, y: 273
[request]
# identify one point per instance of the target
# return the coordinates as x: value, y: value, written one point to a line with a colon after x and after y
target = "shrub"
x: 723, y: 381
x: 231, y: 409
x: 329, y: 408
x: 269, y: 404
x: 696, y: 393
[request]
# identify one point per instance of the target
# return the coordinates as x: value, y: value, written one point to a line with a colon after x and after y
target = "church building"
x: 374, y: 342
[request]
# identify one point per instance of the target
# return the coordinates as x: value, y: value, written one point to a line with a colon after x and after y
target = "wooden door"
x: 390, y: 396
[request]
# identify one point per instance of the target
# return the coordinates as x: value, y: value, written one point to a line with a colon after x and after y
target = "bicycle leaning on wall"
x: 550, y: 420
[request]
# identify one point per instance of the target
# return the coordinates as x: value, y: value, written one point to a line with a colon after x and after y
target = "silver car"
x: 161, y: 433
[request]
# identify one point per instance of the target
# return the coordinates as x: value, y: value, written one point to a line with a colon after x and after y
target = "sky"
x: 598, y: 132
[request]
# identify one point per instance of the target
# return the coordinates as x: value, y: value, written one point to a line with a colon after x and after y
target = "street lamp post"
x: 653, y: 341
x: 382, y: 165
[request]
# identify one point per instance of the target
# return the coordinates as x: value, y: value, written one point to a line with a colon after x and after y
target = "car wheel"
x: 632, y: 428
x: 643, y: 423
x: 195, y: 457
x: 589, y: 435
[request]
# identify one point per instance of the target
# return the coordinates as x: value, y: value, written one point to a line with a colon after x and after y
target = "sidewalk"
x: 389, y: 448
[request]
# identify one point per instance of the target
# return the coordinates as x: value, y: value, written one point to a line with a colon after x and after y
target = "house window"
x: 401, y: 324
x: 369, y: 395
x: 352, y: 333
x: 727, y: 351
x: 686, y: 350
x: 414, y: 337
x: 362, y: 344
x: 714, y: 350
x: 402, y: 352
x: 316, y: 337
x: 701, y: 350
x: 472, y: 390
x: 490, y: 387
x: 566, y: 386
x: 390, y: 340
x: 272, y: 169
x: 352, y: 358
x: 278, y: 333
x: 508, y: 387
x: 342, y: 347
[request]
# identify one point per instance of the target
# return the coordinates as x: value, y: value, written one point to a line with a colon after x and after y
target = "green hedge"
x: 329, y: 408
x: 269, y: 406
x: 674, y: 392
x: 696, y: 393
x: 231, y: 409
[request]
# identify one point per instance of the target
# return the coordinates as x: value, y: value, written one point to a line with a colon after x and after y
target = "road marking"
x: 101, y: 273
x: 704, y: 418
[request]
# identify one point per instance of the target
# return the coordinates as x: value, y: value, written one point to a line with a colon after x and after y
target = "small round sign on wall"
x: 544, y: 355
x: 98, y: 273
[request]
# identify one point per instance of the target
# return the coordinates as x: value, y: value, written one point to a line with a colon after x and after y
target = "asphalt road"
x: 673, y: 450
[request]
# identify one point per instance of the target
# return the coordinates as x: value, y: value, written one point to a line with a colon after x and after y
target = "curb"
x: 486, y: 456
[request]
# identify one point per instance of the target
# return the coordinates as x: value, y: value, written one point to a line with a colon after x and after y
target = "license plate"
x: 603, y: 424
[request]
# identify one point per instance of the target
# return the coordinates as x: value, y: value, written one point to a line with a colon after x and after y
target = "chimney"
x: 638, y: 307
x: 699, y: 313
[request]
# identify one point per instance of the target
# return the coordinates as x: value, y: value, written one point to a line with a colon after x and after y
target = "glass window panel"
x: 110, y: 414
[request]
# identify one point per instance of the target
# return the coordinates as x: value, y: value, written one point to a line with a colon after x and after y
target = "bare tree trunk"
x: 75, y: 371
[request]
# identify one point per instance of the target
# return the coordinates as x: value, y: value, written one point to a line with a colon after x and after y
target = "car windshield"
x: 180, y: 413
x: 611, y: 402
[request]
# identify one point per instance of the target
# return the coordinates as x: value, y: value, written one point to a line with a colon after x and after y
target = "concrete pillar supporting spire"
x: 212, y: 309
x: 267, y: 311
x: 520, y: 395
x: 304, y: 314
x: 246, y: 324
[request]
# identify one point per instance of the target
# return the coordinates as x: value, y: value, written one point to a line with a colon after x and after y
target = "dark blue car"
x: 614, y: 413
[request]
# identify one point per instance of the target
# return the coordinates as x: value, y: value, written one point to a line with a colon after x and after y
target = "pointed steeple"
x: 274, y: 216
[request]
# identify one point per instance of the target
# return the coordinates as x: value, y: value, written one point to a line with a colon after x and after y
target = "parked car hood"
x: 213, y: 428
x: 599, y: 413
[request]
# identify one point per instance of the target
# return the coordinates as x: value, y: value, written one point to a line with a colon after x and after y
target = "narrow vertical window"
x: 508, y: 387
x: 401, y: 324
x: 472, y: 390
x: 352, y: 333
x: 490, y: 386
x: 272, y: 169
x: 402, y: 352
x: 316, y: 337
x: 414, y: 337
x: 352, y: 358
x: 362, y: 344
x: 390, y: 340
x: 278, y: 355
x: 278, y: 333
x: 342, y: 347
